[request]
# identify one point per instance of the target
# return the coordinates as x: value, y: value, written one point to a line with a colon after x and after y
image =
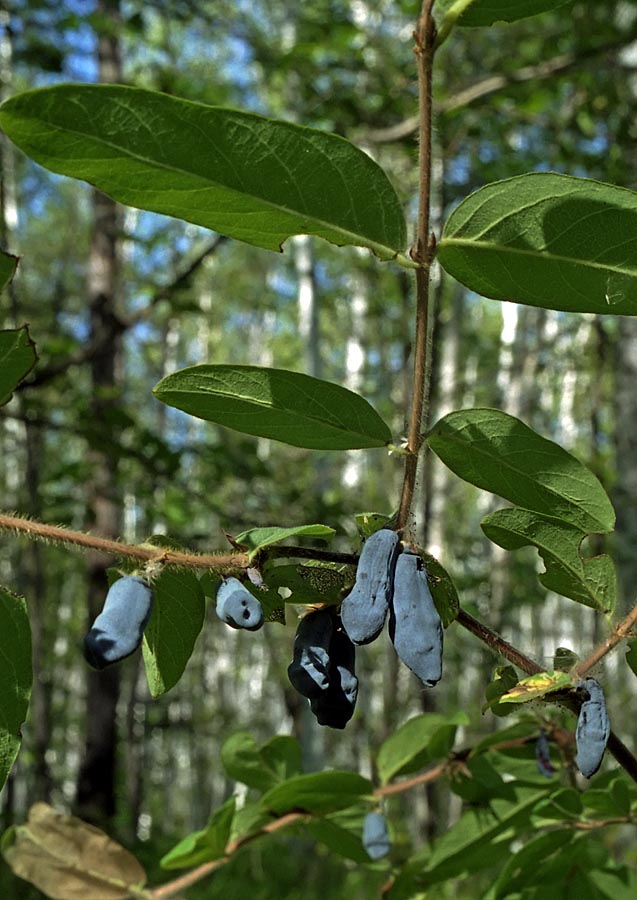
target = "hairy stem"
x: 422, y: 253
x: 220, y: 562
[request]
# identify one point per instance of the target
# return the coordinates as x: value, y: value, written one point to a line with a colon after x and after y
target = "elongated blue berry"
x: 415, y: 628
x: 375, y: 835
x: 118, y: 630
x: 309, y: 669
x: 334, y: 707
x: 543, y: 757
x: 365, y: 608
x: 593, y: 729
x: 237, y: 607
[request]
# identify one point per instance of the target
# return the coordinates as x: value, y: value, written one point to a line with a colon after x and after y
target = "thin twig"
x: 220, y: 562
x: 422, y: 253
x: 623, y: 630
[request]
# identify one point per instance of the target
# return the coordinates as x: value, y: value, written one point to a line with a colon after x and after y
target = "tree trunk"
x: 96, y: 797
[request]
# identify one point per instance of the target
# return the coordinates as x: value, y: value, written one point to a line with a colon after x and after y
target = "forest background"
x: 117, y: 298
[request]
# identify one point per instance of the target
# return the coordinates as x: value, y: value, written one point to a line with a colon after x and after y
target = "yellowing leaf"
x: 537, y: 686
x: 69, y: 860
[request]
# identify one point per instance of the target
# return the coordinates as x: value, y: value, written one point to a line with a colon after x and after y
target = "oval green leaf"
x: 205, y: 845
x: 547, y: 240
x: 255, y: 179
x: 16, y: 676
x: 592, y: 582
x: 256, y: 538
x: 274, y: 403
x: 499, y: 453
x: 418, y: 742
x: 169, y: 638
x: 17, y: 358
x: 320, y: 792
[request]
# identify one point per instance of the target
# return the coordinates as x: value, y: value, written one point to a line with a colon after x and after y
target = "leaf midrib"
x: 265, y: 405
x: 384, y: 248
x: 538, y: 254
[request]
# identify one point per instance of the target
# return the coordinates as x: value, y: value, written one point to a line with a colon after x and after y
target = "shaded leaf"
x: 176, y: 620
x: 339, y: 840
x: 419, y: 741
x: 205, y: 845
x: 536, y: 686
x: 69, y: 860
x: 261, y: 767
x: 17, y: 358
x: 478, y: 781
x: 273, y: 403
x: 443, y: 590
x: 303, y: 584
x: 631, y: 655
x: 256, y: 538
x: 255, y: 179
x: 320, y: 792
x: 592, y: 582
x: 547, y: 240
x: 523, y: 866
x: 564, y: 804
x: 16, y: 676
x: 504, y: 678
x: 8, y: 265
x: 499, y: 453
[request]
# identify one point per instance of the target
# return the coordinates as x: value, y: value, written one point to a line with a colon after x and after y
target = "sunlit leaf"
x: 547, y: 240
x: 499, y: 453
x: 420, y: 741
x: 592, y: 582
x: 536, y: 686
x: 169, y: 638
x: 251, y: 178
x: 256, y: 538
x: 273, y: 403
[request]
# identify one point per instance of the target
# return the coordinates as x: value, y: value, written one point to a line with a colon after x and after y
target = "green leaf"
x: 547, y: 240
x: 419, y: 741
x: 478, y: 781
x: 67, y: 859
x: 256, y: 538
x: 564, y: 804
x: 205, y: 845
x: 476, y: 841
x: 501, y: 454
x: 16, y: 676
x: 176, y: 620
x: 261, y: 767
x: 302, y: 584
x: 8, y: 265
x: 631, y: 655
x: 592, y: 582
x: 504, y: 678
x: 273, y: 403
x: 536, y: 686
x: 488, y: 12
x: 17, y: 358
x: 338, y: 839
x: 370, y: 522
x: 510, y: 733
x: 255, y: 179
x: 443, y: 590
x: 522, y: 867
x: 320, y: 792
